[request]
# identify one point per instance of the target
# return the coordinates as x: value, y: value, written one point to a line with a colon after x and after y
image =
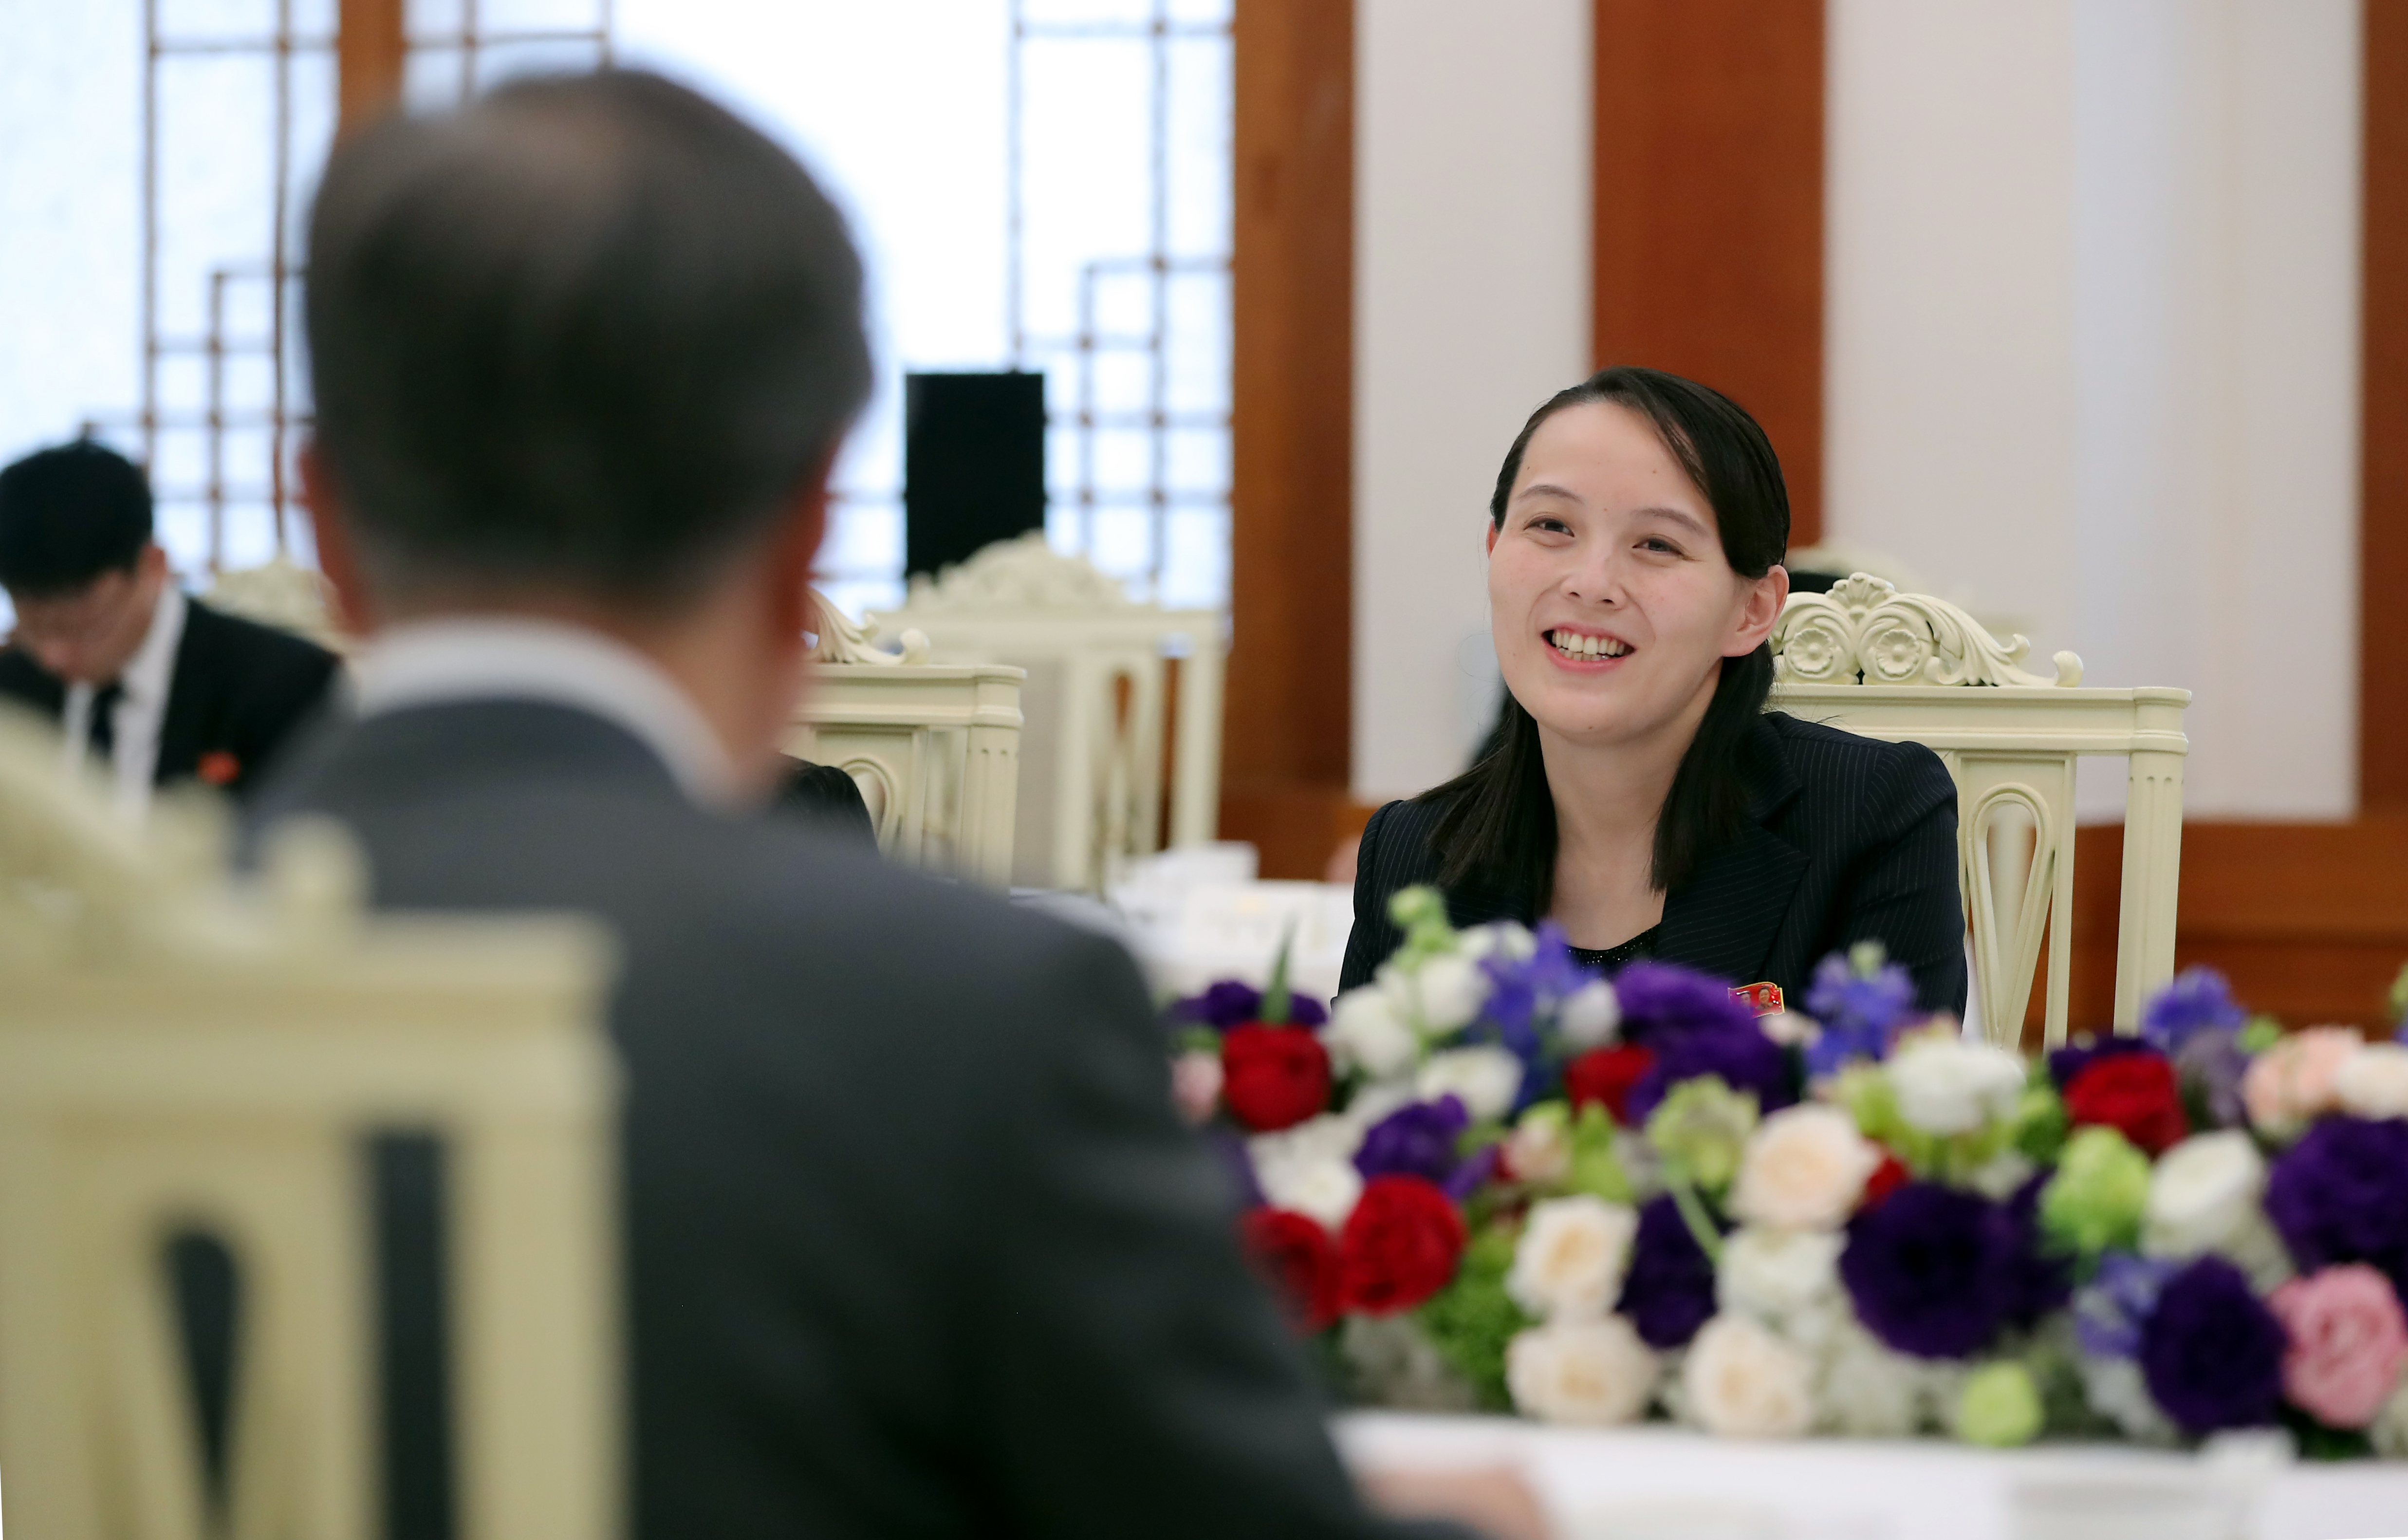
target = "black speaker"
x: 973, y: 463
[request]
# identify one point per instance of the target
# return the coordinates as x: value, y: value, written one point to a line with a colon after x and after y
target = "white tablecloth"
x: 1651, y: 1482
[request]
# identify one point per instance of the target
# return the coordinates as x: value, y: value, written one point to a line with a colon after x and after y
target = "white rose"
x: 1324, y: 1189
x: 1588, y: 1016
x: 1946, y: 1085
x: 1741, y: 1381
x: 1375, y: 1102
x: 1571, y: 1256
x: 2373, y: 1081
x: 2115, y: 1390
x: 1868, y: 1392
x: 1788, y: 1028
x: 2207, y: 1194
x: 1365, y: 1032
x: 1586, y: 1371
x: 1196, y: 1084
x: 1329, y: 1136
x: 1440, y: 995
x: 1804, y: 1168
x: 1775, y: 1275
x: 1485, y: 1077
x: 1497, y: 939
x: 1540, y: 1148
x: 1310, y: 1168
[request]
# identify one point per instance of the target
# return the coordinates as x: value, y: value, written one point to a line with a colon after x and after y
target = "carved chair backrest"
x: 186, y: 1060
x: 284, y: 594
x: 934, y: 748
x: 1099, y: 698
x: 1907, y: 666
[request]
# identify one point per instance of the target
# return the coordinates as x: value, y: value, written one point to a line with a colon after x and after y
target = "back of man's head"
x: 67, y: 515
x: 587, y: 332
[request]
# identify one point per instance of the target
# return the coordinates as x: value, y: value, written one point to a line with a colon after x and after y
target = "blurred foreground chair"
x: 1900, y: 666
x: 934, y: 748
x: 1098, y: 695
x: 188, y: 1060
x: 284, y: 594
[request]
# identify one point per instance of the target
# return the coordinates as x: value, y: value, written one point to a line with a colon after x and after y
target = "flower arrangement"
x: 1492, y: 1179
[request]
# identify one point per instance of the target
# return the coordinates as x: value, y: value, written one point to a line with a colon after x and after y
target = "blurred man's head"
x: 77, y: 559
x: 585, y: 347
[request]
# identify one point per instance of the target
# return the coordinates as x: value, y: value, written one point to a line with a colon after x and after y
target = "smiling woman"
x: 1637, y: 791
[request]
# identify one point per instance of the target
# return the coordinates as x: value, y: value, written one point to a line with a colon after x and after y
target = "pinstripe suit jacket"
x: 1847, y: 839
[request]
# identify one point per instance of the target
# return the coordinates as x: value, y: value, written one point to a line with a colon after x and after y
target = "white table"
x: 1623, y: 1484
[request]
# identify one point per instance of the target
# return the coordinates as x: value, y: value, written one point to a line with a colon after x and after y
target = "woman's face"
x: 1609, y: 593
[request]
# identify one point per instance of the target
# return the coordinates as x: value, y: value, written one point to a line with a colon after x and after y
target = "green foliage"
x: 2095, y: 1200
x: 1701, y: 1127
x: 1472, y: 1320
x: 1594, y: 1168
x: 1421, y: 914
x: 2000, y: 1406
x: 2261, y: 1033
x: 2039, y: 1126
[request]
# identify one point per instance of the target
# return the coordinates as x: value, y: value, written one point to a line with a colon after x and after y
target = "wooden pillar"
x: 1709, y: 210
x: 2383, y: 508
x: 1287, y: 735
x: 370, y: 49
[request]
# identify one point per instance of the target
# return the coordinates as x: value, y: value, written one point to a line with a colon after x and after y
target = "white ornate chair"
x: 934, y: 748
x: 1099, y: 689
x: 284, y: 594
x: 183, y: 1055
x: 1909, y: 667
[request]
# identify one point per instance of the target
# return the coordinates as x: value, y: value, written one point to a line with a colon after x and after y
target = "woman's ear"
x: 1765, y: 596
x: 1494, y: 529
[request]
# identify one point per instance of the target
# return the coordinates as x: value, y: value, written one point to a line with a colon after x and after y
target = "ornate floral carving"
x: 1021, y: 573
x: 844, y: 640
x: 1864, y: 632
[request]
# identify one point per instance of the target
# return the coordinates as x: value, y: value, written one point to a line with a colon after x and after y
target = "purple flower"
x: 1416, y: 1140
x: 1660, y: 1000
x: 1669, y: 1290
x: 1476, y: 1168
x: 2076, y: 1057
x: 2110, y: 1310
x: 1746, y: 1059
x: 1232, y: 1003
x: 2199, y: 998
x: 1929, y: 1269
x: 1521, y: 988
x: 2210, y: 1063
x: 1841, y: 996
x: 2341, y: 1195
x: 2037, y: 1280
x: 2210, y: 1352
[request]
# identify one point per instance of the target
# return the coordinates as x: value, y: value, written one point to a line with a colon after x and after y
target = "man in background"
x: 914, y: 1245
x: 154, y: 686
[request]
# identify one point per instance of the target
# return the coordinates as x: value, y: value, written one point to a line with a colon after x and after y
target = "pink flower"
x: 2348, y: 1342
x: 2292, y: 1081
x: 1196, y: 1086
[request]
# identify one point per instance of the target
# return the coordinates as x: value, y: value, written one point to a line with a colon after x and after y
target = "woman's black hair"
x: 1499, y: 825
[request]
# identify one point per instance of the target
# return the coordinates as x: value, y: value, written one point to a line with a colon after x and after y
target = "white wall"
x: 2092, y: 349
x: 1471, y: 306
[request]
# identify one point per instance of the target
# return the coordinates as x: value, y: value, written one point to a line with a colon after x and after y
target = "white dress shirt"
x: 494, y: 657
x: 135, y: 719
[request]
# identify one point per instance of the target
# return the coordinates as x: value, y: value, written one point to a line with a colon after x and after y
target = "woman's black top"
x: 1610, y: 960
x: 1847, y: 839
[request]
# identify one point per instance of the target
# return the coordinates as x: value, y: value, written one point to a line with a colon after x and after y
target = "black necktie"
x: 103, y: 733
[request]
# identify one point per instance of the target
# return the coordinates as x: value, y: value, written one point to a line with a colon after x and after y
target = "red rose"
x: 1887, y: 1178
x: 1605, y: 1076
x: 2135, y: 1095
x: 1399, y: 1246
x: 1296, y: 1257
x: 1273, y: 1077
